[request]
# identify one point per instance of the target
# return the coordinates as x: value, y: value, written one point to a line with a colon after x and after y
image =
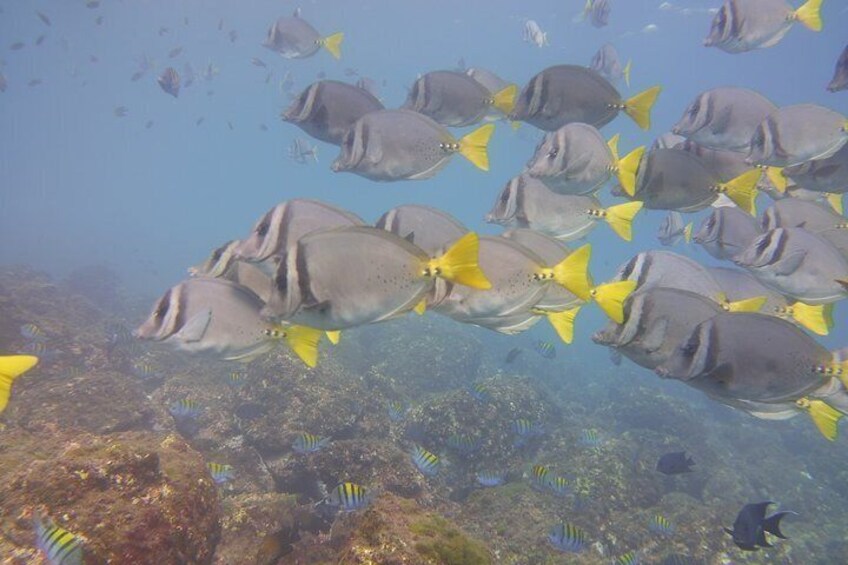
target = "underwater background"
x: 110, y: 189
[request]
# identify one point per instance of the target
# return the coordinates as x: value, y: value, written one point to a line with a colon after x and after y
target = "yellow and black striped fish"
x: 349, y: 497
x: 60, y: 546
x: 428, y: 463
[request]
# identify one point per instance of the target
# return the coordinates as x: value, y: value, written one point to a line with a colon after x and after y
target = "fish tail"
x: 421, y: 307
x: 627, y: 72
x: 474, y: 146
x: 563, y: 323
x: 12, y: 367
x: 613, y: 147
x: 776, y: 178
x: 333, y: 337
x: 611, y: 296
x: 743, y: 190
x: 573, y: 272
x: 333, y: 44
x: 772, y: 523
x: 818, y: 319
x: 304, y: 342
x: 809, y: 14
x: 826, y: 418
x: 620, y: 218
x: 835, y: 201
x: 687, y: 233
x: 504, y: 100
x: 459, y: 263
x: 639, y: 106
x: 626, y: 170
x: 747, y: 305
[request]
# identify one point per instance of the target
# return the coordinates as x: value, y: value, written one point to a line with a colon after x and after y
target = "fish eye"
x: 711, y: 221
x: 263, y: 228
x: 762, y: 244
x: 504, y: 197
x: 553, y: 152
x: 694, y: 109
x: 161, y: 308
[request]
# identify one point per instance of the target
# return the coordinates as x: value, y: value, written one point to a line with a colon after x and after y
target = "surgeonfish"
x: 608, y: 64
x: 672, y: 230
x: 743, y: 25
x: 792, y: 135
x: 726, y: 232
x: 840, y: 73
x: 429, y: 228
x: 295, y: 38
x: 12, y: 367
x: 455, y: 99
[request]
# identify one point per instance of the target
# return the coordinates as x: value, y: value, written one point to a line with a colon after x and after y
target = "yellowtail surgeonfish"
x: 12, y: 367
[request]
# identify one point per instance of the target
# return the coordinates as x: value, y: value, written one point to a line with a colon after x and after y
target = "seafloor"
x: 93, y: 447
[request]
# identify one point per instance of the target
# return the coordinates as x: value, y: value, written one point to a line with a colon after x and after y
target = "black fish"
x: 513, y: 354
x: 675, y: 463
x: 749, y: 529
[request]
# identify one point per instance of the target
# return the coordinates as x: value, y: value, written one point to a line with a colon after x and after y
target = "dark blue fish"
x: 749, y: 529
x: 491, y: 478
x: 463, y: 444
x: 675, y: 463
x: 546, y: 349
x: 220, y: 473
x: 426, y: 462
x: 513, y: 355
x: 60, y: 547
x: 566, y: 537
x: 309, y: 443
x: 397, y: 410
x: 349, y: 497
x: 185, y: 408
x: 479, y: 391
x: 660, y: 525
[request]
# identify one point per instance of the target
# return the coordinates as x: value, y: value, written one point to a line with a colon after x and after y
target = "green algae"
x: 441, y: 542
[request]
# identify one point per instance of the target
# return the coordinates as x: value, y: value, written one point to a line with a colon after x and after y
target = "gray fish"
x: 796, y: 213
x: 390, y: 145
x: 370, y: 86
x: 794, y: 134
x: 345, y: 277
x: 284, y: 224
x: 667, y: 140
x: 3, y: 83
x: 828, y: 175
x: 455, y: 99
x: 295, y: 38
x: 527, y: 203
x: 301, y: 152
x: 218, y: 262
x: 672, y: 230
x: 608, y: 64
x: 725, y: 165
x: 430, y: 229
x: 726, y: 232
x: 490, y: 81
x: 738, y: 285
x: 533, y: 34
x: 576, y: 159
x: 797, y: 263
x: 840, y: 73
x: 564, y: 94
x: 327, y: 109
x: 658, y: 268
x: 837, y: 237
x: 743, y: 25
x: 169, y: 81
x: 724, y: 118
x: 598, y: 12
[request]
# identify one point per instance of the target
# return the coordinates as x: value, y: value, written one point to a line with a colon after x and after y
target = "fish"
x: 34, y: 82
x: 727, y: 165
x: 454, y: 99
x: 576, y: 159
x: 672, y: 230
x: 4, y: 84
x: 480, y: 392
x: 397, y: 410
x: 793, y: 134
x: 33, y: 332
x: 546, y: 349
x: 219, y: 263
x: 608, y: 64
x: 120, y: 111
x: 143, y: 369
x: 370, y: 86
x: 490, y: 81
x: 236, y: 378
x: 12, y: 367
x: 724, y: 118
x: 327, y: 109
x: 17, y: 46
x: 349, y: 497
x: 92, y: 4
x: 490, y: 478
x: 257, y: 62
x: 43, y: 17
x: 567, y: 537
x: 744, y: 25
x: 429, y: 228
x: 295, y: 38
x: 590, y: 438
x: 391, y: 145
x: 137, y: 76
x: 286, y: 223
x: 233, y: 35
x: 175, y: 52
x: 513, y: 354
x: 169, y: 82
x: 565, y: 94
x: 560, y: 486
x: 629, y: 558
x: 533, y: 34
x: 185, y: 408
x: 40, y: 39
x: 796, y: 213
x: 660, y: 525
x: 797, y: 263
x: 540, y: 477
x: 220, y: 318
x: 221, y: 473
x: 751, y: 524
x: 525, y: 202
x: 308, y: 289
x: 58, y: 545
x: 726, y: 232
x: 309, y: 443
x: 525, y: 431
x: 463, y: 444
x: 675, y: 463
x: 300, y: 150
x: 426, y: 462
x: 828, y: 175
x: 598, y: 12
x: 840, y: 73
x: 658, y: 268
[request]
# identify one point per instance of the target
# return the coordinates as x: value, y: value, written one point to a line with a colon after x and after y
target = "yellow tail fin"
x: 12, y: 367
x: 421, y: 307
x: 776, y: 178
x: 573, y: 272
x: 747, y: 305
x: 639, y: 106
x: 627, y: 72
x: 627, y: 168
x: 613, y: 147
x: 835, y: 201
x: 474, y: 146
x: 810, y: 14
x: 611, y: 296
x: 563, y: 323
x: 687, y: 233
x: 620, y: 218
x: 333, y: 337
x: 818, y: 319
x: 333, y: 44
x: 743, y: 190
x: 504, y: 100
x: 459, y: 263
x: 304, y: 342
x: 825, y: 417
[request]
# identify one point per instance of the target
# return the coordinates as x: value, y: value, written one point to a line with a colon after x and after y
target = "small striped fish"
x: 567, y: 537
x: 428, y: 463
x: 479, y: 391
x: 525, y: 430
x: 397, y: 410
x: 309, y: 443
x: 629, y: 558
x: 185, y: 408
x: 463, y: 444
x: 236, y: 378
x: 491, y: 478
x: 221, y: 473
x: 143, y: 369
x: 540, y: 476
x: 660, y: 525
x: 560, y: 486
x: 546, y: 349
x: 349, y: 497
x: 32, y: 331
x: 589, y: 438
x: 60, y: 546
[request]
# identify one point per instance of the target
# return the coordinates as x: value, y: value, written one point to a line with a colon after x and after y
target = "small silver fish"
x: 672, y: 230
x: 608, y: 64
x: 533, y: 34
x: 300, y: 151
x: 169, y: 81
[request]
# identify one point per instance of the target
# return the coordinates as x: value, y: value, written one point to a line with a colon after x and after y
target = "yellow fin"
x: 459, y: 263
x: 304, y: 342
x: 639, y: 107
x: 514, y: 124
x: 613, y: 147
x: 573, y: 272
x: 835, y: 201
x: 687, y: 233
x: 776, y: 178
x: 809, y: 14
x: 12, y: 367
x: 818, y: 319
x: 333, y: 44
x: 825, y: 417
x: 421, y: 307
x: 626, y: 170
x: 504, y: 100
x: 747, y: 305
x: 333, y: 337
x: 563, y: 323
x: 620, y: 218
x: 474, y: 146
x: 627, y: 72
x: 743, y: 190
x: 611, y: 296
